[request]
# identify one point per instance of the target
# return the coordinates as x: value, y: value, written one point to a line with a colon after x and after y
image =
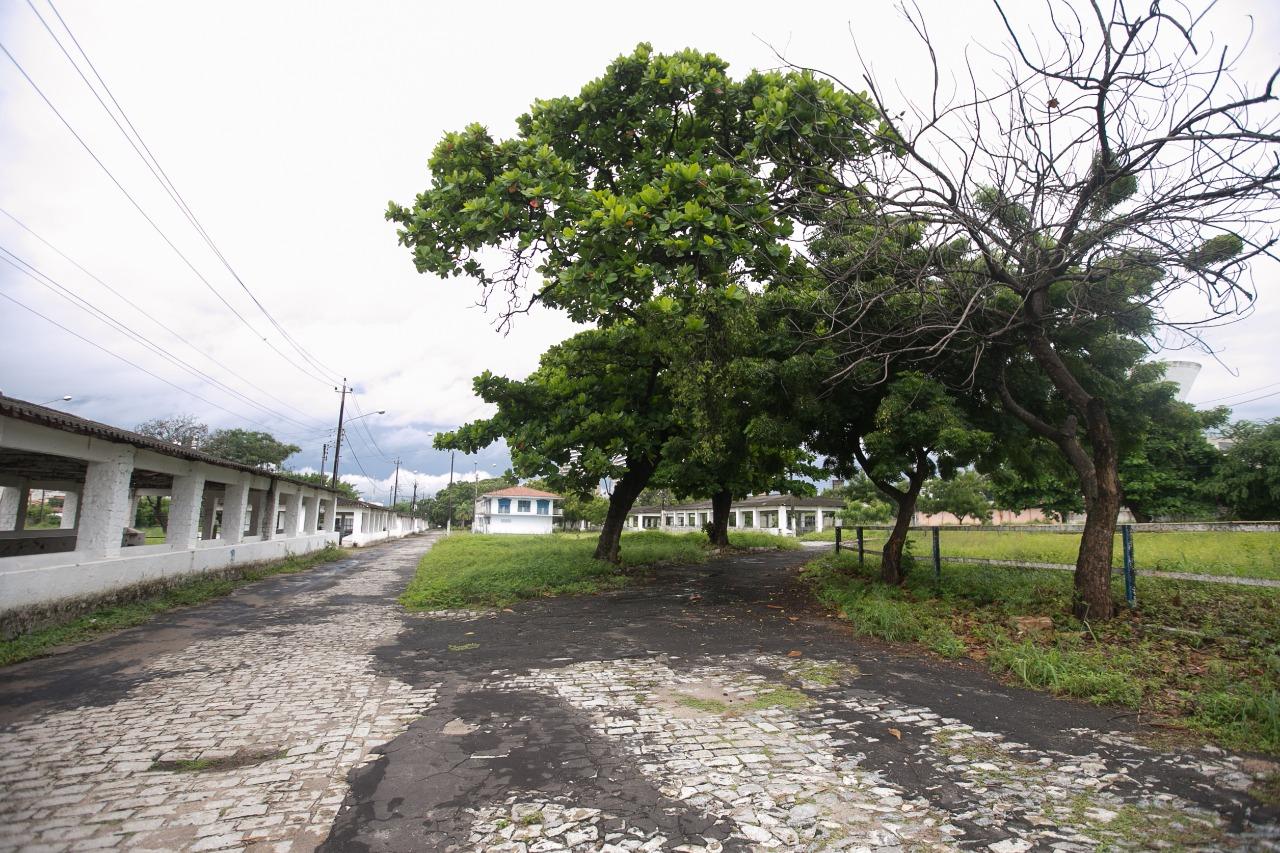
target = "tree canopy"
x: 259, y: 449
x: 1248, y: 478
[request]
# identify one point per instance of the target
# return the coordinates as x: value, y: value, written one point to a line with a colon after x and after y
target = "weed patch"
x: 711, y: 706
x: 186, y: 593
x: 1204, y: 658
x: 494, y: 571
x: 204, y: 765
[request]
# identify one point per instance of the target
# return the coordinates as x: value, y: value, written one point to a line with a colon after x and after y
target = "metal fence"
x: 1128, y: 567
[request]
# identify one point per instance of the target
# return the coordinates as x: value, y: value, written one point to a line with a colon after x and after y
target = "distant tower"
x: 1184, y: 373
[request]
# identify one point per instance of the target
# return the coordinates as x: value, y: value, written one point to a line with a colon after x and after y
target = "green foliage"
x: 259, y: 449
x: 1203, y: 656
x: 182, y: 430
x: 965, y: 496
x: 1248, y: 477
x: 319, y: 478
x: 182, y: 594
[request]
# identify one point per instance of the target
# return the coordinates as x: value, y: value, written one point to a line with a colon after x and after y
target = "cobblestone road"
x: 714, y: 710
x: 240, y: 735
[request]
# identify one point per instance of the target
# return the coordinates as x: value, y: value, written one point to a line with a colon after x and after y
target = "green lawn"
x: 184, y: 594
x: 1250, y: 555
x: 1205, y: 657
x: 493, y: 571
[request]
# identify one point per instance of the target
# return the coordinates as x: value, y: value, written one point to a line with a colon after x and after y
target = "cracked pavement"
x: 715, y: 709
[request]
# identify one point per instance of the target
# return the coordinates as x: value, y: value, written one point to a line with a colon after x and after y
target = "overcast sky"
x: 286, y: 128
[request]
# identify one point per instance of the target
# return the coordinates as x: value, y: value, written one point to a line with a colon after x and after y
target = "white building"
x: 361, y: 522
x: 517, y: 509
x: 782, y: 515
x: 221, y: 514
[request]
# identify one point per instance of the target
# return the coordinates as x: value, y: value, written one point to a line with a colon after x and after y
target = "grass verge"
x: 494, y: 571
x: 1248, y: 555
x: 127, y: 614
x: 1197, y: 656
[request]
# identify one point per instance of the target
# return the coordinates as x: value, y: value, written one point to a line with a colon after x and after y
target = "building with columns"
x: 783, y: 515
x: 221, y: 514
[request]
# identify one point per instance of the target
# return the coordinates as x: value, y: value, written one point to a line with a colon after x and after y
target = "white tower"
x: 1184, y: 373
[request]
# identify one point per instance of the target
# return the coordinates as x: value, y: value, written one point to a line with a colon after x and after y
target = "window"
x: 504, y: 505
x: 669, y: 522
x: 680, y: 520
x: 769, y: 518
x: 733, y: 519
x: 749, y: 518
x: 693, y: 519
x: 523, y: 506
x: 544, y: 507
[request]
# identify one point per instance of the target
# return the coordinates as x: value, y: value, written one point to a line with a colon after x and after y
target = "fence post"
x: 860, y: 552
x: 1126, y: 547
x: 837, y: 539
x: 937, y: 553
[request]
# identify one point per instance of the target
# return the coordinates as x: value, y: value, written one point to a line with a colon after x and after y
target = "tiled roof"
x: 55, y: 419
x: 520, y: 492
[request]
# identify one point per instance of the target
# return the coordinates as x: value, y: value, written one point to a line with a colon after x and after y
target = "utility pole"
x: 395, y: 490
x: 337, y: 444
x: 448, y: 525
x: 324, y: 456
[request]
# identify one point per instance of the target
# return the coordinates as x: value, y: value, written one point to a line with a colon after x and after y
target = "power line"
x: 373, y: 444
x: 119, y: 357
x: 1239, y: 394
x: 143, y: 311
x: 151, y: 221
x: 160, y: 175
x: 1255, y: 399
x: 88, y: 307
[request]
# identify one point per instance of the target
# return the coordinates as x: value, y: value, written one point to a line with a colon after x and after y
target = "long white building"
x: 782, y: 515
x: 220, y: 514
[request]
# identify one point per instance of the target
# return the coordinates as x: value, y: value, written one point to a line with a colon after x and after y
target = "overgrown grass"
x: 1251, y: 555
x: 494, y: 571
x: 1201, y: 656
x: 183, y: 594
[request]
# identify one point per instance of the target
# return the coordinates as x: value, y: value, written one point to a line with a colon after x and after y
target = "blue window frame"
x: 544, y: 507
x: 504, y: 504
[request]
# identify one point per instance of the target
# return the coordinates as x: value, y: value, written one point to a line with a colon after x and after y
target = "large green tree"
x: 965, y: 495
x: 652, y: 199
x: 248, y: 447
x: 1104, y: 171
x: 1248, y: 477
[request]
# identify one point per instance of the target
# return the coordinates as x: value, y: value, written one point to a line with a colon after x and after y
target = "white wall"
x: 45, y: 578
x: 518, y: 523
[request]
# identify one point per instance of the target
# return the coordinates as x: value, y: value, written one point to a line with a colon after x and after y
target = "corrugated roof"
x: 23, y: 410
x: 520, y: 492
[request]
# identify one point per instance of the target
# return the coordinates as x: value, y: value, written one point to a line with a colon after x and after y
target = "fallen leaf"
x: 507, y: 610
x: 794, y: 618
x: 794, y: 653
x: 775, y: 606
x: 896, y: 733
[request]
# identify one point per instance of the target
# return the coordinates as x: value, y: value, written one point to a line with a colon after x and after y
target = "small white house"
x: 517, y: 509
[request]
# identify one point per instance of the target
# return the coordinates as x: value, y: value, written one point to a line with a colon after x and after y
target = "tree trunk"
x: 1098, y: 468
x: 891, y: 568
x: 624, y: 495
x: 719, y: 533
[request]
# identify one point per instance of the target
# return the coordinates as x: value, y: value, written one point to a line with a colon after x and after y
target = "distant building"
x: 782, y: 515
x: 1184, y: 373
x: 517, y: 509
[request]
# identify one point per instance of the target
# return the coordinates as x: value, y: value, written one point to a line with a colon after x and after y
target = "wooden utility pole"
x: 395, y: 489
x: 337, y: 444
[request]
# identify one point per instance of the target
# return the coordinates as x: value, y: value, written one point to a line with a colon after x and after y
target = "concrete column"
x: 12, y: 499
x: 105, y: 504
x: 184, y: 512
x: 208, y: 514
x: 292, y: 514
x: 782, y: 518
x: 818, y: 519
x: 235, y: 501
x: 311, y: 515
x: 270, y: 506
x: 134, y: 497
x: 70, y: 509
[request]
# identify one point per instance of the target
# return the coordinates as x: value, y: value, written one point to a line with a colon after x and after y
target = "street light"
x: 63, y: 399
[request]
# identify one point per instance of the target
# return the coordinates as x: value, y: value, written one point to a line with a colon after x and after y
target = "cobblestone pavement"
x: 713, y: 710
x: 238, y: 730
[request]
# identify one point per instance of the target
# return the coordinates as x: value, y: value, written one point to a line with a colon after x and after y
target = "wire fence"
x: 1257, y: 565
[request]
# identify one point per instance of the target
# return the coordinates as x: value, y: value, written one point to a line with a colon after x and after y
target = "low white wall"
x: 519, y: 523
x: 42, y: 579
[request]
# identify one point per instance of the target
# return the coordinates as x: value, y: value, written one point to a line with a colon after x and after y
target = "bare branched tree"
x: 1118, y: 160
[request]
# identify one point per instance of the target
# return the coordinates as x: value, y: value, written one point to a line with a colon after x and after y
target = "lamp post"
x: 66, y: 398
